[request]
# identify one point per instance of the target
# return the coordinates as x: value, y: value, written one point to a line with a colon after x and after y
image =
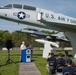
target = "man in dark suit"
x: 60, y: 64
x: 60, y: 60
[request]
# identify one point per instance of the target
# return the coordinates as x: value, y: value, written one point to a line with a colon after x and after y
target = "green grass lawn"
x: 9, y: 68
x: 13, y: 68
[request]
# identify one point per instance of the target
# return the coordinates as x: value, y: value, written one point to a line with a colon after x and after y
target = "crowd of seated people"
x: 63, y: 65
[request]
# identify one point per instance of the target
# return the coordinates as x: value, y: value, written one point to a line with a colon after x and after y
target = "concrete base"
x: 47, y: 49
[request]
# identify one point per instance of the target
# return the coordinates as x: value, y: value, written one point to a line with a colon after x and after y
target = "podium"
x: 26, y: 55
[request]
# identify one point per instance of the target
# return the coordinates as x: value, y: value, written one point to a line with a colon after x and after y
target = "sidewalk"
x: 28, y: 69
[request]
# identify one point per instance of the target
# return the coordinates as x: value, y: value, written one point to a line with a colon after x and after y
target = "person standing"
x: 22, y: 47
x: 66, y: 57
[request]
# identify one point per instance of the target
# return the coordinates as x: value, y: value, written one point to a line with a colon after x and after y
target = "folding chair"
x: 68, y: 73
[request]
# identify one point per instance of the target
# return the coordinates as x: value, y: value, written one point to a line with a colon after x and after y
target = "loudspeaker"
x: 9, y: 44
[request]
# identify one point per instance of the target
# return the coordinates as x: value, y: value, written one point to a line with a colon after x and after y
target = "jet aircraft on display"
x: 53, y: 37
x: 39, y: 17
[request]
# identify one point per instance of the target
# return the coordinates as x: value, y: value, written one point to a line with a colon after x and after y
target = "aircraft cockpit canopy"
x: 29, y: 7
x: 19, y: 6
x: 8, y: 6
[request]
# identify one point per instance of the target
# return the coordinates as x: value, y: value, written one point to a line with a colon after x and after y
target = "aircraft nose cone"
x: 2, y: 13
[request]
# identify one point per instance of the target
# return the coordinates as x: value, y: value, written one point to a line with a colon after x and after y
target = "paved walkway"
x: 28, y: 69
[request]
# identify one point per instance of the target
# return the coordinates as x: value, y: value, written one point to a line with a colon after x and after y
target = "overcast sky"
x: 66, y: 7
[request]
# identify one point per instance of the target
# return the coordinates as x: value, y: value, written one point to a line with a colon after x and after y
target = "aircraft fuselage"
x: 39, y: 17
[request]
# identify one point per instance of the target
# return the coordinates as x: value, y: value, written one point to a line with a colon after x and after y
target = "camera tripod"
x: 9, y: 60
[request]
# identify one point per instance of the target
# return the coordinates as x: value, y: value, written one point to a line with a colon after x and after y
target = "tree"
x: 1, y: 33
x: 18, y: 37
x: 6, y: 36
x: 1, y: 42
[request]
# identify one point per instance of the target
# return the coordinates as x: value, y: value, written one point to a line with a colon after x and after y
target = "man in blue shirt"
x: 52, y: 63
x: 69, y: 68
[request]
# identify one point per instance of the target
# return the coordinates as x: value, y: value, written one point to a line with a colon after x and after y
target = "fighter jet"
x: 53, y: 37
x: 34, y: 32
x: 39, y: 17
